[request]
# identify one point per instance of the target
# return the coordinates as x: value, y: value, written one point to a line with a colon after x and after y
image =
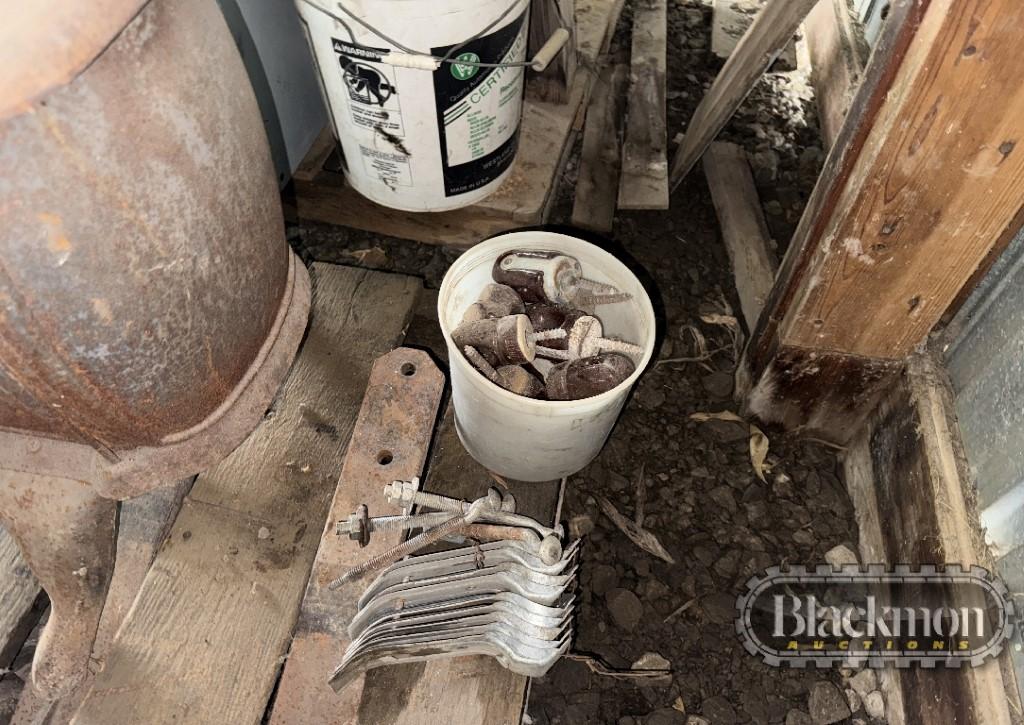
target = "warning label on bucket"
x: 479, y: 108
x: 371, y: 88
x: 391, y: 168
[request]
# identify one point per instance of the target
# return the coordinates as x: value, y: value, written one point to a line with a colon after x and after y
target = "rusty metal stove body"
x: 149, y: 304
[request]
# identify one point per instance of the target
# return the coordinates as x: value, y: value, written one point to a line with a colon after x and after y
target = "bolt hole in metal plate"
x: 385, y: 457
x: 408, y: 369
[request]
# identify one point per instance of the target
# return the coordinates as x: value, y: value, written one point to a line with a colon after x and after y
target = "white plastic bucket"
x: 418, y: 139
x: 523, y: 438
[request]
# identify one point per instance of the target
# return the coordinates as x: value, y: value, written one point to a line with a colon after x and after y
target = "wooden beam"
x: 598, y: 183
x: 909, y: 460
x: 555, y: 83
x: 838, y: 56
x: 760, y: 45
x: 917, y: 193
x: 643, y: 183
x: 205, y: 639
x: 744, y: 229
x: 463, y: 690
x: 397, y: 415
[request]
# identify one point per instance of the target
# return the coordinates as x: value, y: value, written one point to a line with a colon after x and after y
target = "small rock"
x: 840, y: 556
x: 263, y: 533
x: 766, y: 167
x: 719, y: 384
x: 798, y: 717
x: 803, y: 536
x: 853, y: 700
x: 864, y: 682
x: 604, y: 579
x: 720, y: 608
x: 625, y: 608
x: 874, y: 705
x: 697, y: 720
x: 665, y: 716
x: 827, y: 704
x: 718, y: 710
x: 723, y: 498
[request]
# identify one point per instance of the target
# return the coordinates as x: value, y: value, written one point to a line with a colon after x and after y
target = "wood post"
x: 922, y: 186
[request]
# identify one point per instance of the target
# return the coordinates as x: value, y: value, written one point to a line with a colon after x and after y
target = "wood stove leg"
x: 67, y: 535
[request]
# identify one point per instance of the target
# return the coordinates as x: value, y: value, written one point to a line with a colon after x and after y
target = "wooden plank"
x: 912, y: 455
x: 204, y: 640
x: 744, y: 229
x: 527, y: 195
x: 838, y: 58
x: 397, y: 416
x: 19, y: 591
x: 643, y: 183
x: 143, y: 525
x: 761, y: 44
x: 555, y: 83
x: 730, y: 20
x: 464, y: 690
x: 598, y: 183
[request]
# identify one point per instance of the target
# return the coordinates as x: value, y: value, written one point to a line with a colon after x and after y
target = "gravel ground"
x: 702, y: 498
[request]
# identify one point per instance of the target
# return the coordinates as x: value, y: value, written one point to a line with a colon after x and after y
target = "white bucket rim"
x: 509, y: 396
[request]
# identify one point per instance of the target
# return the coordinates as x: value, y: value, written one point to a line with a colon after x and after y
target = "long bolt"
x: 430, y: 536
x: 406, y: 492
x: 398, y: 523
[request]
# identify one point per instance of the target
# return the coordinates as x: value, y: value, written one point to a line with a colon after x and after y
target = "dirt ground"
x: 703, y: 500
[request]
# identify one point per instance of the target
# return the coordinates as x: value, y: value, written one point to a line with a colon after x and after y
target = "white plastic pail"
x: 415, y: 138
x: 523, y: 438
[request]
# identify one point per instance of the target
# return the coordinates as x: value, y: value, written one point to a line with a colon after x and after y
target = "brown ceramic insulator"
x: 517, y: 380
x: 588, y: 376
x: 501, y: 296
x: 538, y: 276
x: 545, y: 316
x: 507, y: 338
x: 496, y: 300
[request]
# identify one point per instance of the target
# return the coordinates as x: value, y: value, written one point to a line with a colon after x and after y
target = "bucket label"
x: 478, y: 108
x: 372, y: 92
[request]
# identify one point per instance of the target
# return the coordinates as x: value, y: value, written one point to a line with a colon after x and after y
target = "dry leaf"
x: 372, y: 257
x: 758, y: 440
x: 723, y: 415
x: 724, y: 320
x: 758, y: 451
x: 641, y: 537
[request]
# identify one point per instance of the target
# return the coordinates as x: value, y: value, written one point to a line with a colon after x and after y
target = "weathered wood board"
x: 909, y: 464
x: 760, y: 45
x: 397, y: 417
x: 643, y: 181
x: 730, y: 20
x: 744, y: 229
x: 597, y: 187
x: 204, y: 640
